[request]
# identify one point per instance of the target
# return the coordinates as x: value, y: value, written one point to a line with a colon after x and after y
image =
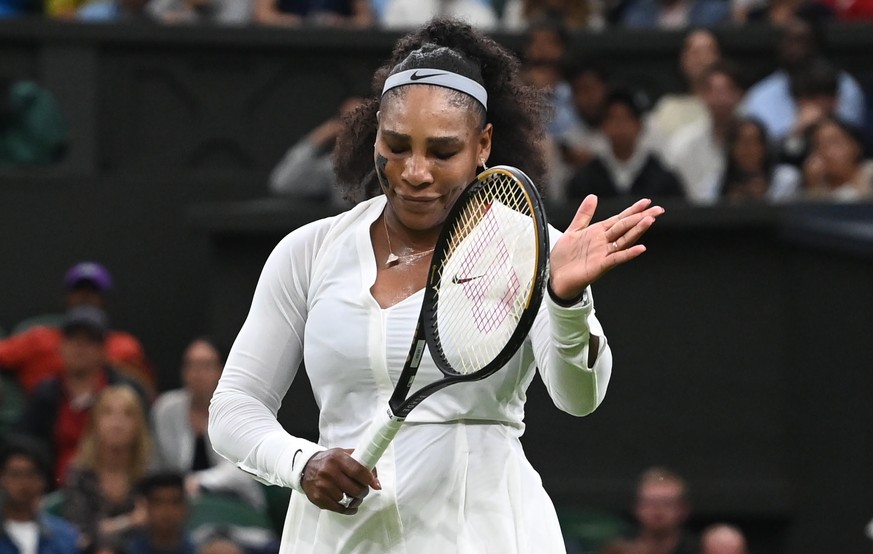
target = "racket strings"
x: 488, y: 271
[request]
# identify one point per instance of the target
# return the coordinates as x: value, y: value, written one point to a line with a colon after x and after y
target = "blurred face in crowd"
x: 428, y: 145
x: 85, y: 294
x: 700, y: 51
x: 167, y: 511
x: 750, y: 149
x: 796, y: 45
x: 544, y: 45
x: 722, y: 540
x: 220, y: 546
x: 82, y: 352
x: 22, y: 485
x: 201, y: 369
x: 589, y: 96
x: 838, y: 150
x: 622, y: 128
x: 721, y: 95
x: 661, y: 507
x: 117, y: 419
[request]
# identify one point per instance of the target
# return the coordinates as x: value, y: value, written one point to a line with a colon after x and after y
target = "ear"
x: 485, y: 142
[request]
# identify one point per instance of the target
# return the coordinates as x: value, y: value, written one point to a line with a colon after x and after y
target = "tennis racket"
x: 484, y: 287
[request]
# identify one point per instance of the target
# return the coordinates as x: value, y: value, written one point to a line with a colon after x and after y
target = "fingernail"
x: 378, y: 486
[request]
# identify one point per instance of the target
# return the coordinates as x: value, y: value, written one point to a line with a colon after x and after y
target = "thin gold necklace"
x: 394, y: 259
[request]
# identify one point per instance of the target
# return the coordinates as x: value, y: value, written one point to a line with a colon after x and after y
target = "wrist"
x: 581, y: 298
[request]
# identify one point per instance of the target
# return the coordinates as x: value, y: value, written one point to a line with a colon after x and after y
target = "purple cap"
x: 88, y: 272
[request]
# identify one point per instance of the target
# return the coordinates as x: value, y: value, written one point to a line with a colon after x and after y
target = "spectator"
x: 179, y: 421
x: 227, y: 12
x: 306, y: 170
x: 781, y: 12
x: 543, y: 55
x: 113, y: 455
x: 697, y: 152
x: 627, y: 168
x: 589, y: 85
x: 406, y: 14
x: 576, y: 14
x: 166, y: 508
x: 674, y: 14
x: 674, y: 111
x: 770, y: 99
x: 59, y: 407
x: 24, y: 528
x: 722, y: 539
x: 332, y: 13
x: 836, y: 168
x: 33, y: 131
x: 33, y: 352
x: 752, y: 172
x: 814, y: 90
x: 661, y: 510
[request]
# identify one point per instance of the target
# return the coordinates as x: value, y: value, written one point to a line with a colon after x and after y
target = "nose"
x: 416, y: 171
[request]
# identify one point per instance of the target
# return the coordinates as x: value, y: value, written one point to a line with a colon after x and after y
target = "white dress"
x: 455, y: 479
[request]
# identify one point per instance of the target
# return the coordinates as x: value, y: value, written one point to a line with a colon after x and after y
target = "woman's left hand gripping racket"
x: 484, y: 287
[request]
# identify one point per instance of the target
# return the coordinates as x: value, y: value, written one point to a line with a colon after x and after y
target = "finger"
x: 584, y: 214
x: 622, y: 226
x: 632, y: 235
x: 359, y: 472
x: 637, y: 207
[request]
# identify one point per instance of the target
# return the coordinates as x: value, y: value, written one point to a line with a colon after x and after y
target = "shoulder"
x: 772, y: 83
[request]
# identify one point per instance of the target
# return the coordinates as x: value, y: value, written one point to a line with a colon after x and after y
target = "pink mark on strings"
x: 478, y: 280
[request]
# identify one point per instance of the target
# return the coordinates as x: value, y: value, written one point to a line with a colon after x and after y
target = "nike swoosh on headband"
x: 415, y: 76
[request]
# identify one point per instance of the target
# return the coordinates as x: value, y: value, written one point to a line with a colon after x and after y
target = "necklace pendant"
x: 392, y: 259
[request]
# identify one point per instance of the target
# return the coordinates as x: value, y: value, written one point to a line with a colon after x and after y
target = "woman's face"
x: 839, y: 151
x: 427, y: 151
x: 116, y: 423
x: 749, y: 149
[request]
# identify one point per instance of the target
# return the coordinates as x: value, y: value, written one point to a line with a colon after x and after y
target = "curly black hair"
x: 515, y: 109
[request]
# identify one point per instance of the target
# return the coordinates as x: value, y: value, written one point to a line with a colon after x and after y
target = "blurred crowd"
x: 802, y: 132
x: 96, y: 459
x: 509, y: 15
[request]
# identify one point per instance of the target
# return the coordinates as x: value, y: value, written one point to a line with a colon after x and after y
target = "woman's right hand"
x: 330, y: 474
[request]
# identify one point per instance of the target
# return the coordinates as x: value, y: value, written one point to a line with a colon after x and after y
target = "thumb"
x: 584, y: 214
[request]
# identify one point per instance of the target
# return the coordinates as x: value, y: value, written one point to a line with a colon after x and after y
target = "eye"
x: 397, y: 149
x: 445, y: 155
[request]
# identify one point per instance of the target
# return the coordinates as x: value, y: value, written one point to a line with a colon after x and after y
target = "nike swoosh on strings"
x: 461, y: 280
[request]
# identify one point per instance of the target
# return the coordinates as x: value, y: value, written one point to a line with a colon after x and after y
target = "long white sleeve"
x: 261, y: 366
x: 574, y: 386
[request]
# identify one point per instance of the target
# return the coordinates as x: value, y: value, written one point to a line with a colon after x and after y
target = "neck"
x: 200, y: 402
x: 20, y: 513
x: 623, y: 154
x: 661, y: 543
x: 165, y: 539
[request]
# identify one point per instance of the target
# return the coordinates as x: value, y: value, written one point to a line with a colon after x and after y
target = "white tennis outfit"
x: 455, y: 479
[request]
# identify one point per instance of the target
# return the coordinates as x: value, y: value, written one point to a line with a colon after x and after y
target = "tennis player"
x: 343, y: 295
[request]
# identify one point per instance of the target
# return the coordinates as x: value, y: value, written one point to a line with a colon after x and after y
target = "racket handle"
x: 377, y: 438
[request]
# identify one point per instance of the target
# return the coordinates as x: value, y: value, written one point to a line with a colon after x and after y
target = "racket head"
x: 487, y: 275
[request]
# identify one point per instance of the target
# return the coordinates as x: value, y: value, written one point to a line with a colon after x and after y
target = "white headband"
x: 440, y: 78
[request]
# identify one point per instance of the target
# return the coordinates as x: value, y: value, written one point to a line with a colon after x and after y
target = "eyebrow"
x: 432, y: 141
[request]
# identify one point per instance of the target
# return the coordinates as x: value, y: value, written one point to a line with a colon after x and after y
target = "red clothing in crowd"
x: 34, y: 355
